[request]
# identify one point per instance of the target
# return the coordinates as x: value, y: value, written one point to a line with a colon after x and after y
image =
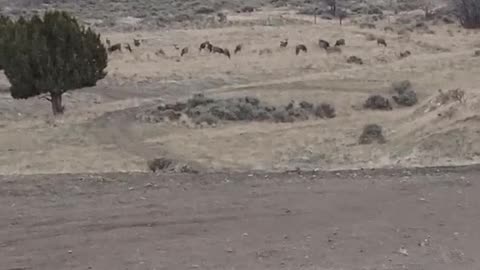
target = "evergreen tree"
x: 50, y: 55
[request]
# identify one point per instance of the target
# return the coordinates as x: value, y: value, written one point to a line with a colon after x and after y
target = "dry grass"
x: 101, y: 133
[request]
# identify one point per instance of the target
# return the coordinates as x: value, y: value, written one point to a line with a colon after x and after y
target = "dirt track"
x: 342, y: 220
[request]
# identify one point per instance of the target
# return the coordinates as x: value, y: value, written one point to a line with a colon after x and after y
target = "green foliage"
x: 5, y: 24
x: 53, y: 54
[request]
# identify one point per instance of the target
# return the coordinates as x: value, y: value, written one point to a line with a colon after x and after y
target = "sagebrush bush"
x: 372, y: 133
x: 377, y: 102
x: 400, y: 87
x: 406, y: 96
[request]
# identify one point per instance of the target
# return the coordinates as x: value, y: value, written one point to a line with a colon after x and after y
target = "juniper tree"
x: 51, y: 55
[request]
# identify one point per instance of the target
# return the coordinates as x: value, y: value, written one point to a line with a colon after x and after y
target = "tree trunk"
x: 56, y: 100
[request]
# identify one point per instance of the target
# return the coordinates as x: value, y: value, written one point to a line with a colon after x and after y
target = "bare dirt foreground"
x: 423, y: 219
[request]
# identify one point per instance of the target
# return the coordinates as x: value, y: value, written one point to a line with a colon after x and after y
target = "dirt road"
x: 427, y: 219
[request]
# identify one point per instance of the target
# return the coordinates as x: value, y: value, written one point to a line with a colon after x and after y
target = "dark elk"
x: 404, y: 54
x: 284, y: 43
x: 340, y: 42
x: 323, y: 44
x: 219, y: 50
x: 226, y: 52
x: 299, y: 48
x: 136, y: 42
x: 206, y: 45
x: 127, y: 46
x: 160, y: 52
x: 381, y: 41
x: 184, y: 51
x: 238, y: 48
x: 115, y: 47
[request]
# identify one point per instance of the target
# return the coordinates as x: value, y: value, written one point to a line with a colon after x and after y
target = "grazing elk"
x: 340, y: 42
x: 115, y: 47
x: 184, y: 51
x: 323, y: 44
x: 127, y: 46
x: 136, y: 42
x: 160, y: 52
x: 205, y: 45
x: 405, y: 54
x: 216, y: 49
x: 381, y: 41
x: 299, y: 48
x: 226, y: 52
x: 238, y: 48
x: 284, y: 43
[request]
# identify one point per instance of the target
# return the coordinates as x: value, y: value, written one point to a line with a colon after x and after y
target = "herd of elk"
x: 209, y: 47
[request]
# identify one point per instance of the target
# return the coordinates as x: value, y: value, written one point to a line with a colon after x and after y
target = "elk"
x: 219, y: 50
x: 299, y: 48
x: 381, y: 41
x: 108, y: 42
x: 284, y: 43
x: 115, y: 47
x: 323, y: 44
x: 127, y: 46
x: 184, y: 51
x: 160, y: 52
x: 405, y: 54
x: 205, y: 45
x: 340, y: 42
x: 238, y: 48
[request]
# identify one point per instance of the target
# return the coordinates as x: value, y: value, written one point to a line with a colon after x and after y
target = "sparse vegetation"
x: 212, y: 111
x: 355, y: 60
x: 372, y: 133
x: 468, y: 12
x: 169, y: 165
x: 377, y: 102
x: 51, y: 55
x: 406, y: 96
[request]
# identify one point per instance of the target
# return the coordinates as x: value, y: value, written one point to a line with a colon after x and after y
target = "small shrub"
x: 206, y: 118
x: 372, y: 133
x: 247, y: 9
x: 370, y: 37
x: 406, y: 96
x: 355, y: 60
x: 204, y: 10
x: 160, y: 164
x: 367, y: 26
x: 377, y: 102
x: 375, y: 10
x: 400, y: 87
x: 325, y: 110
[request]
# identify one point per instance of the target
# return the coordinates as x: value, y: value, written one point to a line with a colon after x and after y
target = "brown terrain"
x: 76, y: 191
x: 420, y: 219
